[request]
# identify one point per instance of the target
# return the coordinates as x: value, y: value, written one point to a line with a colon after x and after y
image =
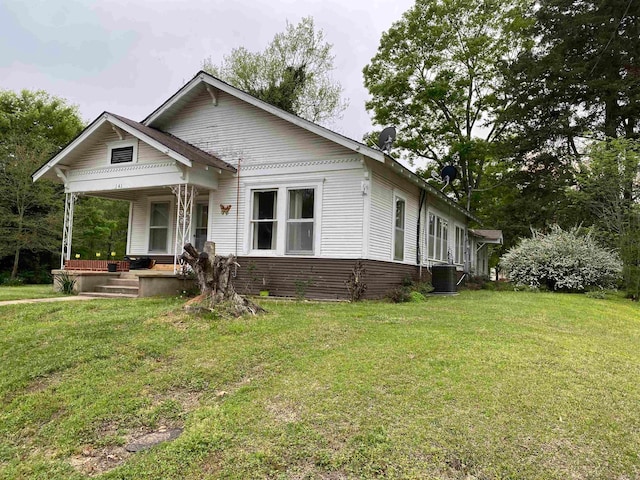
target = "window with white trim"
x: 438, y: 238
x: 398, y: 229
x: 432, y: 236
x: 300, y: 221
x: 459, y: 246
x: 159, y: 227
x: 264, y: 219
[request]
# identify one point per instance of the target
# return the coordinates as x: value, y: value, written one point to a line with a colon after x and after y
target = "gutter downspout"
x: 237, y: 203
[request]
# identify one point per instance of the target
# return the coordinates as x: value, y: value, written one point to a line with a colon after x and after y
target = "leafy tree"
x: 437, y: 76
x: 100, y: 225
x: 582, y: 77
x: 33, y: 126
x: 292, y: 73
x: 609, y: 191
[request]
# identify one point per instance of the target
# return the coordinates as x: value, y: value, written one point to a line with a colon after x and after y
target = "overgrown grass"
x: 512, y: 385
x: 23, y: 292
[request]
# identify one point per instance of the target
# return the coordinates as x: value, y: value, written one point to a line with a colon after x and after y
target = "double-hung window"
x: 398, y: 229
x: 438, y: 238
x: 432, y: 236
x: 264, y: 219
x: 159, y: 227
x: 300, y: 221
x: 459, y: 254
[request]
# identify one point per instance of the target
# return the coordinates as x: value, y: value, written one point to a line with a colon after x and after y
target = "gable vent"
x: 122, y: 155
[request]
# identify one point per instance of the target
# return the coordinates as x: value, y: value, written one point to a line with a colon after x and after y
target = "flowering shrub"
x: 561, y: 260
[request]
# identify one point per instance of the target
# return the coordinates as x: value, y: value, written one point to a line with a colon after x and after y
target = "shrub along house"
x: 297, y: 203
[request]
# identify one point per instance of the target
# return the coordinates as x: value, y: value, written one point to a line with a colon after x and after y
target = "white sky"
x: 129, y: 56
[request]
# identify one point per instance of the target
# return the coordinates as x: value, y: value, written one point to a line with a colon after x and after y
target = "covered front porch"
x: 167, y: 182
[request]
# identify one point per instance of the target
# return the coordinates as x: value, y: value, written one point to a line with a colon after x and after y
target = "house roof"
x: 178, y: 145
x: 168, y: 144
x: 488, y: 236
x: 213, y: 84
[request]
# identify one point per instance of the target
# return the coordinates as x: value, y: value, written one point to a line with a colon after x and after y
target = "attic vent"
x: 122, y: 155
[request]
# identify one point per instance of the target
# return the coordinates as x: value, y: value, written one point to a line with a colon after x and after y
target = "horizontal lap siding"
x: 318, y: 278
x: 342, y: 214
x: 222, y: 228
x: 234, y: 129
x: 140, y: 223
x: 95, y: 152
x: 340, y: 223
x: 383, y: 186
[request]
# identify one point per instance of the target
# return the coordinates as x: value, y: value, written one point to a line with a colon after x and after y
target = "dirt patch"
x: 92, y: 461
x: 283, y: 410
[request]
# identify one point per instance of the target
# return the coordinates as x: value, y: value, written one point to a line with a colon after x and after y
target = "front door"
x: 201, y: 225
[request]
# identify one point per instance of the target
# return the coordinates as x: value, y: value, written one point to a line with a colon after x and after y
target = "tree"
x: 33, y: 126
x: 582, y: 77
x: 437, y: 76
x: 292, y: 73
x: 100, y: 225
x: 609, y: 190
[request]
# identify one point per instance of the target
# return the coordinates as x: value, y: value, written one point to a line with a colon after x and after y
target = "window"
x: 159, y: 227
x: 263, y: 220
x: 438, y: 238
x: 398, y: 231
x: 300, y: 221
x: 432, y: 235
x: 202, y: 220
x: 122, y: 155
x: 459, y: 254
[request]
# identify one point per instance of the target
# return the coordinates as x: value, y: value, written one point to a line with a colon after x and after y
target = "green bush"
x: 399, y: 295
x: 563, y: 261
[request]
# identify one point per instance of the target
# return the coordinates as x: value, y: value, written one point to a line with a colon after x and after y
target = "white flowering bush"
x: 562, y: 260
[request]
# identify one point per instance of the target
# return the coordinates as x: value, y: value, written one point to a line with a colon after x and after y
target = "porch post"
x: 67, y: 229
x: 185, y: 196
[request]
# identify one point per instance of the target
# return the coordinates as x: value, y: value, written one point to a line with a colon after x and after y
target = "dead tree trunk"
x: 214, y: 277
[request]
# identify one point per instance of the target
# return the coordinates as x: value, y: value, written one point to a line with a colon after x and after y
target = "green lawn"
x: 484, y: 385
x: 27, y: 291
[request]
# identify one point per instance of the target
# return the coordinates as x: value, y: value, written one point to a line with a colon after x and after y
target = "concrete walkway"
x: 45, y: 300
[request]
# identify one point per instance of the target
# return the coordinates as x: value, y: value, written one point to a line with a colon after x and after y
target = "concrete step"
x: 128, y: 275
x: 106, y: 295
x: 124, y: 282
x: 117, y: 289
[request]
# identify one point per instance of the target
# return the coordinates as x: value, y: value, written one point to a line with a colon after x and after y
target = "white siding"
x: 234, y: 129
x: 341, y: 207
x: 94, y: 154
x: 139, y: 224
x: 385, y: 184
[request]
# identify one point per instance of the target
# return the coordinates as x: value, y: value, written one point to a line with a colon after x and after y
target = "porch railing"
x: 96, y: 265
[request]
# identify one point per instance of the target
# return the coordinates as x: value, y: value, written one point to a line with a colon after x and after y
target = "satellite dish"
x: 386, y: 138
x: 448, y: 174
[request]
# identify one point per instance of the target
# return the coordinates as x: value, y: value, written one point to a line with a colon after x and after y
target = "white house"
x: 297, y: 203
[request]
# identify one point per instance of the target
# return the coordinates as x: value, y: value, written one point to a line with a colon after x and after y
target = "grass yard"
x: 24, y: 292
x: 508, y: 385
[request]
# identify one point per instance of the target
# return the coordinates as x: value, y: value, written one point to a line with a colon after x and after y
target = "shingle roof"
x: 178, y: 145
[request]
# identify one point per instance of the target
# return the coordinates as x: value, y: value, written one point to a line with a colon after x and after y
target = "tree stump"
x: 214, y: 277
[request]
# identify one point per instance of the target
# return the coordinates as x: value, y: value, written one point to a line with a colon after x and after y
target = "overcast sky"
x: 129, y: 56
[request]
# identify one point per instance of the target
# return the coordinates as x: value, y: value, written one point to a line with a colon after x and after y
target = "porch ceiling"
x: 134, y: 194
